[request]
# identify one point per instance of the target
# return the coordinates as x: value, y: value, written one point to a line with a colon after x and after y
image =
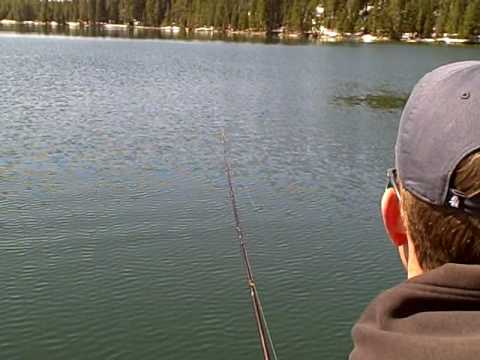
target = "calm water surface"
x: 116, y: 230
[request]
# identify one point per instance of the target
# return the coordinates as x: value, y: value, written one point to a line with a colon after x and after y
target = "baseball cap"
x: 440, y: 126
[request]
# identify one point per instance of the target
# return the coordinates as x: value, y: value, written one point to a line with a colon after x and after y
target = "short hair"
x: 443, y: 236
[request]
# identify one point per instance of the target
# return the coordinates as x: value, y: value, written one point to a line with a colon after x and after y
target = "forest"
x: 392, y: 18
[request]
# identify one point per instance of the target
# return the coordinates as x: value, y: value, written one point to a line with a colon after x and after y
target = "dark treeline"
x: 381, y: 17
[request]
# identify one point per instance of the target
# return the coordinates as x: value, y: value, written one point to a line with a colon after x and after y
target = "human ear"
x: 392, y: 218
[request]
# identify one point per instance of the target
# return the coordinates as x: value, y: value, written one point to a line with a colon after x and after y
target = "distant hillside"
x: 389, y: 18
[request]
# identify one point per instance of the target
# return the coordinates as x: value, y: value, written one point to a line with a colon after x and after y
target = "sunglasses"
x: 392, y: 182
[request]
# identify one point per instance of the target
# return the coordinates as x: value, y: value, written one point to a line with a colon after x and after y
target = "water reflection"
x: 117, y: 237
x: 141, y: 33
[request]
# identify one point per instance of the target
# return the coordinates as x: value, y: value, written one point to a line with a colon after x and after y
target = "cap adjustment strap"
x: 457, y: 200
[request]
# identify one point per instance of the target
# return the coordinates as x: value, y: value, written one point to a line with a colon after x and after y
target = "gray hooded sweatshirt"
x: 432, y: 316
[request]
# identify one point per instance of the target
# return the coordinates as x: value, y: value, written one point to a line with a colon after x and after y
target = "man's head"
x: 437, y: 217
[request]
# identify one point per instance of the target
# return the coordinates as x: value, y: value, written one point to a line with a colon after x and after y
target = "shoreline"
x: 322, y: 35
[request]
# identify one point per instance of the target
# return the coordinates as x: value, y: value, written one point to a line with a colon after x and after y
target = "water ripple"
x: 117, y: 233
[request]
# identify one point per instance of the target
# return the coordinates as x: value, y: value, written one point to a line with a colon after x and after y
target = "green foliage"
x: 45, y: 11
x: 101, y: 11
x: 92, y: 10
x: 455, y: 16
x: 380, y: 17
x: 83, y: 10
x: 425, y: 21
x: 471, y: 24
x: 350, y: 15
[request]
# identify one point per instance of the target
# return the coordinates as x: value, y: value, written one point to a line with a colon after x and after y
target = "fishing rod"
x: 265, y: 338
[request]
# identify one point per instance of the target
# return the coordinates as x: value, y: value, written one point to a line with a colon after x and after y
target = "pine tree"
x: 74, y: 10
x: 113, y: 11
x: 220, y: 13
x: 4, y: 8
x: 390, y: 17
x: 58, y: 13
x: 45, y: 11
x: 138, y: 9
x: 16, y: 11
x: 101, y: 11
x: 409, y: 18
x: 441, y: 21
x: 378, y: 19
x: 455, y: 17
x: 395, y: 16
x: 243, y: 17
x: 30, y: 10
x: 83, y: 10
x: 92, y: 7
x: 268, y: 18
x: 428, y: 20
x: 294, y: 16
x: 351, y: 15
x: 126, y: 11
x: 471, y: 21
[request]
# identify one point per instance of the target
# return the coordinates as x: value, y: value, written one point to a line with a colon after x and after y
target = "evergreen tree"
x: 294, y: 16
x: 395, y: 13
x: 243, y: 16
x: 428, y: 18
x: 150, y: 15
x: 4, y: 9
x: 58, y: 12
x: 126, y: 11
x: 409, y: 18
x: 472, y: 19
x: 455, y: 17
x: 74, y: 7
x: 441, y: 22
x: 351, y: 15
x: 92, y: 7
x: 138, y: 9
x: 16, y: 11
x: 381, y: 17
x: 45, y: 11
x: 113, y: 11
x: 101, y: 11
x: 268, y: 16
x: 378, y: 19
x: 83, y: 10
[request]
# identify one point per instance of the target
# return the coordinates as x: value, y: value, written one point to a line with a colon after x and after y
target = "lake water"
x: 116, y: 228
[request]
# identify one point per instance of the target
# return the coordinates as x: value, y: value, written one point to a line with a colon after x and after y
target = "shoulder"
x: 421, y: 319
